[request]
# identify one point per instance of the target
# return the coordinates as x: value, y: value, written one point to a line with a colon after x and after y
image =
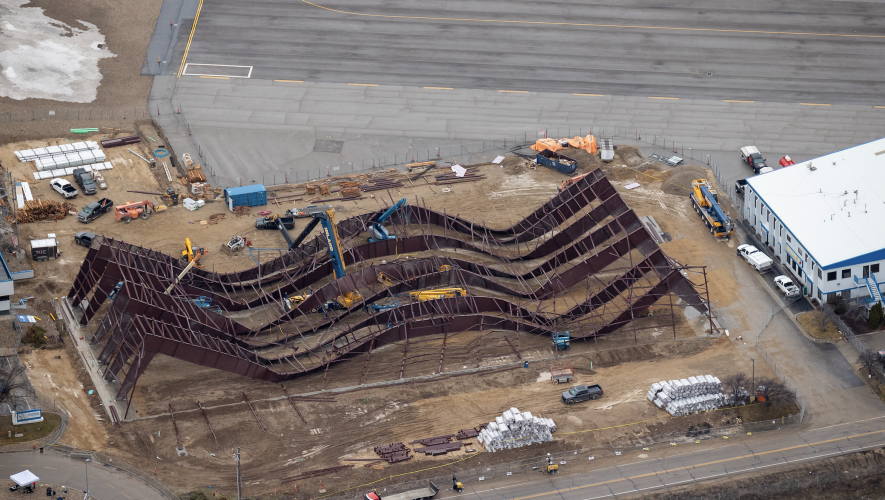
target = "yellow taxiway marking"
x: 514, y: 91
x: 591, y: 95
x: 812, y: 104
x: 190, y: 39
x: 364, y: 84
x: 216, y: 77
x: 290, y: 81
x: 666, y: 98
x: 880, y: 107
x: 439, y: 88
x: 53, y: 468
x: 594, y: 25
x: 748, y: 102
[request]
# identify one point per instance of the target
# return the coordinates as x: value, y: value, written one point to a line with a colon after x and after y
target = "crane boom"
x: 705, y: 202
x: 376, y: 230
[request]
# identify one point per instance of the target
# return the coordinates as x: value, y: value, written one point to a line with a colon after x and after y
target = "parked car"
x: 753, y: 157
x: 740, y: 185
x: 84, y: 180
x: 95, y: 210
x: 84, y: 238
x: 786, y: 286
x: 64, y: 188
x: 757, y: 260
x: 786, y: 161
x: 580, y: 393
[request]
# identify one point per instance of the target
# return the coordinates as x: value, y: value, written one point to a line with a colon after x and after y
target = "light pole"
x: 754, y: 378
x: 87, y: 480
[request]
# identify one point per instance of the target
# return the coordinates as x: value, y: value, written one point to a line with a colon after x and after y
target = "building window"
x: 819, y: 295
x: 831, y: 276
x: 846, y: 273
x: 874, y: 268
x: 820, y: 273
x: 789, y: 240
x: 754, y: 202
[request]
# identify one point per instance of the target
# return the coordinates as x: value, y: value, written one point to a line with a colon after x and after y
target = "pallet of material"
x: 196, y: 175
x: 434, y: 440
x: 466, y: 434
x: 390, y: 448
x: 120, y: 141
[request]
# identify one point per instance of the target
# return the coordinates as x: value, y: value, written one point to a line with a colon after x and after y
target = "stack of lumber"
x: 38, y: 210
x: 214, y: 218
x: 350, y: 191
x: 241, y: 211
x: 196, y: 175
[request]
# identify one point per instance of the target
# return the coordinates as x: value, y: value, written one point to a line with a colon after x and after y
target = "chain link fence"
x: 460, y: 153
x: 852, y: 339
x: 614, y: 449
x: 76, y: 114
x: 772, y: 363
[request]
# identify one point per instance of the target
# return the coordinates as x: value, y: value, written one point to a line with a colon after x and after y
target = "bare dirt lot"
x: 127, y: 27
x: 625, y: 363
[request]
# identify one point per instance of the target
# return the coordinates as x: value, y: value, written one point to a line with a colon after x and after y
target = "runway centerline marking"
x: 593, y: 25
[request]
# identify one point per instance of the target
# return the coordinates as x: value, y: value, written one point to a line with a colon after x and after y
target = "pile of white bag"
x: 691, y: 395
x: 514, y: 429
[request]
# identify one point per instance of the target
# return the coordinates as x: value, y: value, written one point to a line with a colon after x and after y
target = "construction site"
x: 362, y: 326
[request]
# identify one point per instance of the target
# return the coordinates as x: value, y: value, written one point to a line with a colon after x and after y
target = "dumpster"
x: 555, y: 161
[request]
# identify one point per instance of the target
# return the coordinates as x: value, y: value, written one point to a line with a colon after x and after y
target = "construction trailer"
x: 245, y: 196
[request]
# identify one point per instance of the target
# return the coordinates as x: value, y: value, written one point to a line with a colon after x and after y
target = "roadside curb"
x: 808, y: 335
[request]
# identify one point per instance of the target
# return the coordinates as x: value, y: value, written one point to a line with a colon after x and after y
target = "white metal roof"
x: 834, y: 205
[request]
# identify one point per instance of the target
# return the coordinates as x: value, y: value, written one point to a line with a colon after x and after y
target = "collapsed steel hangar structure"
x: 582, y: 262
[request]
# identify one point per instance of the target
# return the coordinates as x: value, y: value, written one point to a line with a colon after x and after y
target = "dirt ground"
x: 127, y: 26
x: 811, y: 322
x: 369, y: 416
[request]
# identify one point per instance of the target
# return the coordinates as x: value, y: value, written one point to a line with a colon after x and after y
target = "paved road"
x: 790, y: 51
x: 671, y: 466
x: 104, y: 482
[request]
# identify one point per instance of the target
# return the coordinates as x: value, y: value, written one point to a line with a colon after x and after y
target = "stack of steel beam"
x: 514, y: 429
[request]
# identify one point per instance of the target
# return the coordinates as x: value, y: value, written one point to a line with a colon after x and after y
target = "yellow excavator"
x: 438, y: 293
x: 192, y: 253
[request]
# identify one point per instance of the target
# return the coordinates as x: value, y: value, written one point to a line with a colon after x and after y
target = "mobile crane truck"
x: 705, y: 201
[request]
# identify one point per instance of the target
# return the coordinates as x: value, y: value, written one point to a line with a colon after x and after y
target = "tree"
x: 868, y: 359
x: 773, y: 389
x: 875, y: 316
x: 736, y: 386
x: 14, y: 386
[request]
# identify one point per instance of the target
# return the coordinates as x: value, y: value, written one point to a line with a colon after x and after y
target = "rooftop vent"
x: 811, y: 167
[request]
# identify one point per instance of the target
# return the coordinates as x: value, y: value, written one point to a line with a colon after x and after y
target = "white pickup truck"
x: 786, y: 286
x: 757, y: 260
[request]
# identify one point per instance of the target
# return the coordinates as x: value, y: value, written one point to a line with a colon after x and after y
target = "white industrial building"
x: 824, y: 219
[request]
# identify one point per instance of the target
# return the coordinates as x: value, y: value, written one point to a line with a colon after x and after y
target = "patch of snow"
x: 51, y: 60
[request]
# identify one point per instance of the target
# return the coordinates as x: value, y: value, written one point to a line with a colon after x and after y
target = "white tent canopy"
x: 24, y: 478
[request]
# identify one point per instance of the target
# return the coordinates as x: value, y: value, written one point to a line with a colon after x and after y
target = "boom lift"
x: 192, y: 253
x: 325, y: 215
x: 133, y: 210
x: 376, y: 230
x: 438, y: 293
x: 705, y: 201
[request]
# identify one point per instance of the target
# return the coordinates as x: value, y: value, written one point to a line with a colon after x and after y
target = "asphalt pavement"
x: 105, y: 483
x: 667, y: 466
x: 789, y: 51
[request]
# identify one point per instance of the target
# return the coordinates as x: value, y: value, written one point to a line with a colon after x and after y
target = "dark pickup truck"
x: 95, y: 210
x: 84, y: 180
x: 271, y: 221
x: 580, y: 393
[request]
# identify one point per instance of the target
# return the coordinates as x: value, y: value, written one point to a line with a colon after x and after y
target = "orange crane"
x: 132, y: 210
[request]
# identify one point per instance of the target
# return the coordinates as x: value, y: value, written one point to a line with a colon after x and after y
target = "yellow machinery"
x: 438, y: 293
x: 551, y: 468
x: 171, y: 197
x: 384, y: 280
x: 705, y: 201
x: 192, y: 253
x: 457, y: 485
x: 325, y: 215
x: 445, y: 268
x: 295, y: 300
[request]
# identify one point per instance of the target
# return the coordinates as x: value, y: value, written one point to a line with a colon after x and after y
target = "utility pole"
x: 239, y: 478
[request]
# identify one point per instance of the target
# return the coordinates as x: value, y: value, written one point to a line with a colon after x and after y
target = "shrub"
x: 35, y: 336
x: 839, y: 307
x: 875, y: 317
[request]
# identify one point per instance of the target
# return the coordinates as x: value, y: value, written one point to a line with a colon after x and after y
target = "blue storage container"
x: 245, y: 196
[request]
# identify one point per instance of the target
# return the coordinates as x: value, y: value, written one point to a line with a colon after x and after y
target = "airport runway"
x: 814, y: 52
